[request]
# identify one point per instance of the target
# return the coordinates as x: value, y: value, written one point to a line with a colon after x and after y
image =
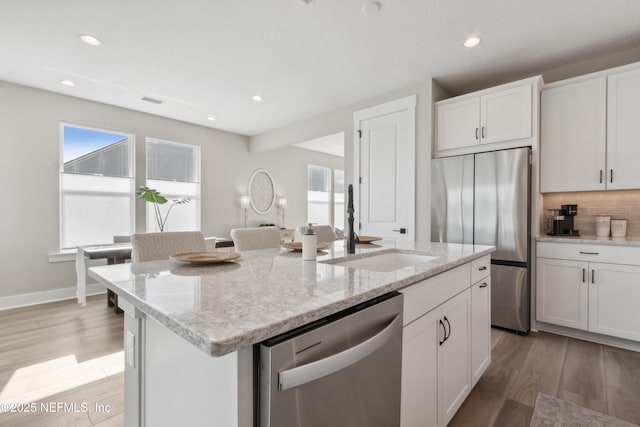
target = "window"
x: 174, y: 170
x: 325, y: 196
x: 96, y: 186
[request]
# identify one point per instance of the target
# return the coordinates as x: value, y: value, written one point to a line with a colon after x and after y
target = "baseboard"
x: 22, y: 300
x: 590, y: 336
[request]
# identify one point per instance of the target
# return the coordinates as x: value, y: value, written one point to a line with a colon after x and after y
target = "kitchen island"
x: 190, y: 330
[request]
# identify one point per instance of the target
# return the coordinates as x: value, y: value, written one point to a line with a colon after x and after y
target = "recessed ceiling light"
x: 67, y: 82
x: 371, y: 7
x: 472, y: 41
x: 211, y: 118
x: 93, y: 41
x: 256, y: 98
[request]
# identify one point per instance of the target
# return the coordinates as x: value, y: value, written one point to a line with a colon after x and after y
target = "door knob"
x: 401, y: 231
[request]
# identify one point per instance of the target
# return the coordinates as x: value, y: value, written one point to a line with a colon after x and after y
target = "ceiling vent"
x: 151, y: 100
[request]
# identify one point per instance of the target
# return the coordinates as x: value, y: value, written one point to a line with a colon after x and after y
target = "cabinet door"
x: 623, y: 133
x: 506, y: 115
x: 572, y: 137
x: 562, y: 292
x: 419, y: 407
x: 614, y: 293
x: 454, y: 366
x: 458, y: 124
x: 480, y: 328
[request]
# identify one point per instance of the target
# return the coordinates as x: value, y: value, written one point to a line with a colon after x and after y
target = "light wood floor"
x: 594, y: 376
x: 63, y: 352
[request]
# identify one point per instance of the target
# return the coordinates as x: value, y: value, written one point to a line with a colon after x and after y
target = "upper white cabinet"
x: 623, y: 131
x: 497, y: 115
x: 572, y: 136
x: 588, y: 133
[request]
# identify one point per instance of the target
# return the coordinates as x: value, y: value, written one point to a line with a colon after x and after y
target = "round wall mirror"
x: 262, y: 191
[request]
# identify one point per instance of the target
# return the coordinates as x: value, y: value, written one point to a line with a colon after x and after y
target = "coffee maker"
x: 561, y: 221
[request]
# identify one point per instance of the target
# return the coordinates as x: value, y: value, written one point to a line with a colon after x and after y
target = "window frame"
x: 331, y: 203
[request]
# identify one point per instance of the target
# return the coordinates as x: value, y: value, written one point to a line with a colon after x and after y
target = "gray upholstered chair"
x: 325, y: 233
x: 154, y: 246
x: 246, y: 239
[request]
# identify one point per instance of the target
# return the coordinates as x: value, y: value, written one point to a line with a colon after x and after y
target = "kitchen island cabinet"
x: 190, y: 331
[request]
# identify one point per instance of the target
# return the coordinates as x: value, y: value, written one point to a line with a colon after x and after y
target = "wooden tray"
x: 367, y: 239
x: 297, y: 246
x: 206, y: 257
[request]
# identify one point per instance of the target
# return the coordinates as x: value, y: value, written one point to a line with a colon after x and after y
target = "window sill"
x: 64, y: 256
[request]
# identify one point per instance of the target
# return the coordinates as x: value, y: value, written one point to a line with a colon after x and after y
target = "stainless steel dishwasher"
x: 342, y: 371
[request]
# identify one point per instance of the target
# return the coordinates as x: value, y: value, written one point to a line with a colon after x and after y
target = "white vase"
x: 603, y: 226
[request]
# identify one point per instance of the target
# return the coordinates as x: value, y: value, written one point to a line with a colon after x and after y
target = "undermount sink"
x: 385, y: 262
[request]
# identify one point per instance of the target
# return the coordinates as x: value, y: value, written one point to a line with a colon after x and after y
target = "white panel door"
x: 454, y: 364
x: 480, y: 328
x: 562, y: 292
x: 420, y: 338
x: 623, y: 133
x: 386, y: 191
x: 506, y: 115
x: 458, y: 124
x: 614, y: 293
x: 572, y: 137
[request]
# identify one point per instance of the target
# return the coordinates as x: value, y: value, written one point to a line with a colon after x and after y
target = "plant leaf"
x: 151, y: 195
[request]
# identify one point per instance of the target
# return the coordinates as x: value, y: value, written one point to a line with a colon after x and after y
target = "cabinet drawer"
x: 425, y: 295
x: 480, y: 268
x: 590, y: 252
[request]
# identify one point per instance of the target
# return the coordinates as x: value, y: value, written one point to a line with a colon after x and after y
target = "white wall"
x: 341, y: 120
x: 29, y: 175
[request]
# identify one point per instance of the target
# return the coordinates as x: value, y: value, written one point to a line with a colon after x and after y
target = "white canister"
x: 309, y: 244
x: 618, y: 228
x: 603, y: 226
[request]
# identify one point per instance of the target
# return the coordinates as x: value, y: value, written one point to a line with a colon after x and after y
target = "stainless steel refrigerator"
x: 485, y: 199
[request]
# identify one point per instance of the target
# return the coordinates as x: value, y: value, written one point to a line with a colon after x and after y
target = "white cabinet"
x: 500, y: 114
x: 572, y: 136
x: 589, y: 133
x: 623, y: 133
x: 480, y: 328
x: 436, y: 348
x: 587, y: 287
x: 614, y: 293
x: 562, y: 292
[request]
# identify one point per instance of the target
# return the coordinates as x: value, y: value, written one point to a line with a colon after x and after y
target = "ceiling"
x: 209, y: 57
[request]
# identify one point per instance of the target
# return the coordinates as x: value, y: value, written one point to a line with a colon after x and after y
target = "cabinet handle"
x: 483, y: 268
x: 584, y: 275
x: 483, y: 132
x: 611, y: 175
x: 593, y: 276
x: 445, y: 331
x: 484, y: 285
x: 448, y: 335
x: 600, y: 176
x: 589, y: 253
x: 476, y: 133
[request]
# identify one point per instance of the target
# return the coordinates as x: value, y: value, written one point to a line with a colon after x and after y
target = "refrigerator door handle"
x: 321, y: 368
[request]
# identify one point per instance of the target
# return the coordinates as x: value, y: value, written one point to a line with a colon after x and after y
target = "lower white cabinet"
x: 585, y: 294
x: 436, y: 375
x: 480, y: 328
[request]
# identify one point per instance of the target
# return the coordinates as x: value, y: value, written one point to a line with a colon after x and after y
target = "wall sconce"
x: 282, y: 205
x: 244, y: 204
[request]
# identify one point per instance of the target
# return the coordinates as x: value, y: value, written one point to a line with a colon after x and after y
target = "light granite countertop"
x: 595, y: 240
x: 223, y: 308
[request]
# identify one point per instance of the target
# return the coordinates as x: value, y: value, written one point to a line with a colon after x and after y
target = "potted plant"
x: 153, y: 196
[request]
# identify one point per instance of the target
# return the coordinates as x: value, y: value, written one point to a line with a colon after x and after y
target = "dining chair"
x: 325, y: 233
x: 155, y: 246
x: 246, y: 239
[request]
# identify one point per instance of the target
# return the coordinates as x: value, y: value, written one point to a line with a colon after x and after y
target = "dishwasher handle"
x: 321, y: 368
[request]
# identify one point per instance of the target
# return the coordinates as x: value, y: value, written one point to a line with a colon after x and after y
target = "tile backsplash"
x: 621, y: 204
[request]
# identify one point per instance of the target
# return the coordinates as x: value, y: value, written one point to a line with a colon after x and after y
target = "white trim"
x: 407, y: 103
x: 589, y: 336
x: 22, y: 300
x: 63, y: 256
